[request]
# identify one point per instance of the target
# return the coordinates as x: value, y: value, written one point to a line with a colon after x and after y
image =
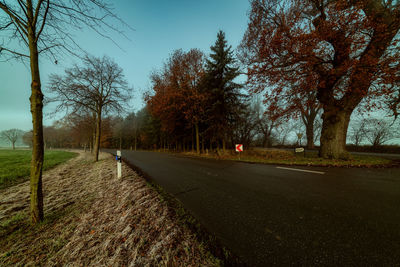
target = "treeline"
x: 198, y: 101
x: 195, y: 103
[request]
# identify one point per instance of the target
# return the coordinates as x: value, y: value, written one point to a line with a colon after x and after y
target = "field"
x: 15, y: 164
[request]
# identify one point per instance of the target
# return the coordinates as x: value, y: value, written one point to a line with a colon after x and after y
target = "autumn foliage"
x: 344, y: 52
x: 178, y: 101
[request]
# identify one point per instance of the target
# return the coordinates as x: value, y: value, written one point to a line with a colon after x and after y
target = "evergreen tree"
x: 225, y: 98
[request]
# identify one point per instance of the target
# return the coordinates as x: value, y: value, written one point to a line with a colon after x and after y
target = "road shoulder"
x: 93, y: 218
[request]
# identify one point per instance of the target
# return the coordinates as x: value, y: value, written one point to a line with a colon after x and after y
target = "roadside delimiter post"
x: 119, y: 160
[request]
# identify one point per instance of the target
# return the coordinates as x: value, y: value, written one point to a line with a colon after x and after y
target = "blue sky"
x: 160, y: 26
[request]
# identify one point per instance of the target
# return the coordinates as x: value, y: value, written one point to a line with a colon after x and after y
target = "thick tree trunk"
x: 97, y: 138
x: 36, y: 100
x: 197, y: 139
x: 310, y: 135
x: 13, y: 145
x: 333, y: 134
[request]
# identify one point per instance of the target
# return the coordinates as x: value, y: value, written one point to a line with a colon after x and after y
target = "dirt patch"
x: 93, y: 218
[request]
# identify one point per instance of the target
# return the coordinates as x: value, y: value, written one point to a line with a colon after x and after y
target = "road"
x: 268, y: 215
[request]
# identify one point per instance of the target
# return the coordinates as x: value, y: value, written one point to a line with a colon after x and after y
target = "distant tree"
x: 358, y: 131
x: 27, y: 138
x: 82, y: 129
x: 283, y: 131
x: 225, y: 99
x: 246, y: 125
x: 99, y: 87
x: 344, y: 51
x: 44, y: 27
x: 378, y: 131
x: 150, y: 131
x: 12, y: 136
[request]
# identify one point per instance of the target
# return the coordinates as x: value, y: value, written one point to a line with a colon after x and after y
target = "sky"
x: 159, y: 28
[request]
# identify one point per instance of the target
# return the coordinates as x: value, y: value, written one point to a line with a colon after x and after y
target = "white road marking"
x: 300, y: 170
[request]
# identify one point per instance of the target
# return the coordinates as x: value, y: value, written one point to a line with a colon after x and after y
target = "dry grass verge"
x: 310, y: 158
x: 95, y: 219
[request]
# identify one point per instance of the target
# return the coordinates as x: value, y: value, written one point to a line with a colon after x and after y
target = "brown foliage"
x: 341, y: 51
x: 178, y: 101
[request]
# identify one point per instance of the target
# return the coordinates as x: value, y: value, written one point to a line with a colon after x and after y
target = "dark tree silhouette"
x: 225, y: 97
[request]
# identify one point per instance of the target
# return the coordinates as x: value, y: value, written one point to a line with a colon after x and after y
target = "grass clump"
x: 15, y: 164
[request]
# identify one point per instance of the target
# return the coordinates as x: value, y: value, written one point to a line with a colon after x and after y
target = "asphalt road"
x: 271, y: 216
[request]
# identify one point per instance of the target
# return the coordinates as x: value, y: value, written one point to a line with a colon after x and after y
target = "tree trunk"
x: 333, y: 134
x: 192, y: 139
x: 223, y: 145
x: 197, y: 139
x: 13, y: 145
x: 310, y: 135
x: 36, y: 100
x: 202, y: 143
x: 98, y: 134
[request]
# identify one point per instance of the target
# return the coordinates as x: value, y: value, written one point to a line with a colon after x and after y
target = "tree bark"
x: 36, y: 100
x: 98, y: 134
x: 197, y: 138
x: 310, y: 135
x: 334, y: 132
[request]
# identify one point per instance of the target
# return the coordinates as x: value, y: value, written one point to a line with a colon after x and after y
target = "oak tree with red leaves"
x: 345, y: 52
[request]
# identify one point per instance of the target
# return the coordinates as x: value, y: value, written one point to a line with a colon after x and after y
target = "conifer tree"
x: 225, y: 97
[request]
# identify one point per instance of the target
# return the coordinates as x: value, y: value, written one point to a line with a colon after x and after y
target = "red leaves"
x: 178, y: 101
x: 339, y: 49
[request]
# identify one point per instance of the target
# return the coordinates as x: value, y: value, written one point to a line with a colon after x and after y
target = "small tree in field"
x: 99, y: 86
x: 12, y: 136
x: 342, y: 51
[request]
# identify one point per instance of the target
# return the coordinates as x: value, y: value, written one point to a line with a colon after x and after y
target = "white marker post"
x: 119, y: 160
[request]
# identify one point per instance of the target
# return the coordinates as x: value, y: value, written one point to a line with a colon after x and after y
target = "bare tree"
x: 12, y: 136
x: 99, y: 86
x: 30, y: 28
x: 358, y: 131
x: 283, y: 131
x: 378, y: 131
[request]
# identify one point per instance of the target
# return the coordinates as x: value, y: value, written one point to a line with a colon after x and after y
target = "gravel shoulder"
x: 95, y: 219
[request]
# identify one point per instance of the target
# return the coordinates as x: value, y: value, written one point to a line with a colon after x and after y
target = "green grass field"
x: 15, y: 164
